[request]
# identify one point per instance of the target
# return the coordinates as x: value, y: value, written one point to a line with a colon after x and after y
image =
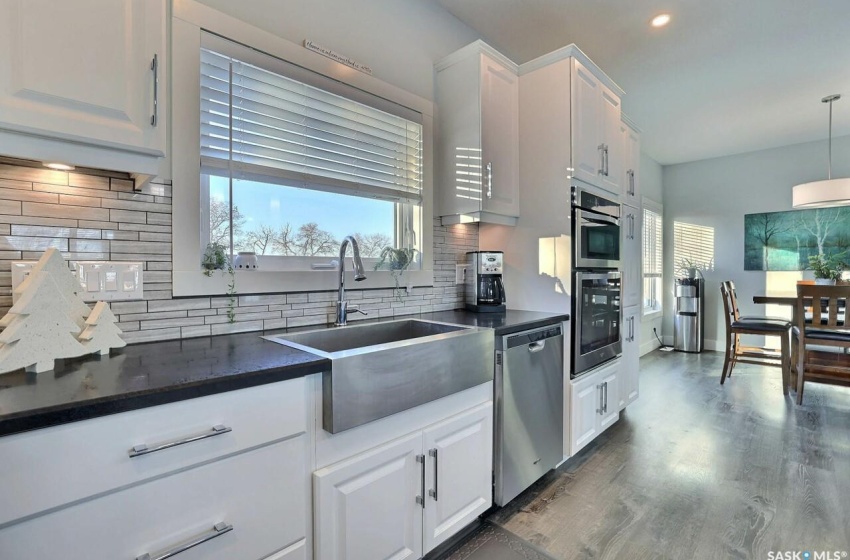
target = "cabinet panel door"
x: 458, y: 474
x: 585, y: 102
x: 612, y: 137
x: 631, y: 176
x: 629, y: 372
x: 366, y: 506
x: 499, y: 138
x: 631, y: 233
x: 610, y: 382
x: 585, y: 404
x: 81, y: 70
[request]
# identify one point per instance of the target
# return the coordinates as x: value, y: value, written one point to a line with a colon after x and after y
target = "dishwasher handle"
x: 536, y: 346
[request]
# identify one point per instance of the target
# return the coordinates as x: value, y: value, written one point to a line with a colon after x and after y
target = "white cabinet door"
x: 585, y: 407
x: 586, y: 105
x: 458, y: 474
x: 630, y: 249
x: 82, y: 71
x: 631, y: 157
x: 612, y: 140
x: 630, y: 369
x: 366, y: 507
x: 610, y: 381
x: 499, y: 138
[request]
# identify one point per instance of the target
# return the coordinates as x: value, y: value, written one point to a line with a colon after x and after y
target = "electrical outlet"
x: 460, y: 273
x: 110, y: 280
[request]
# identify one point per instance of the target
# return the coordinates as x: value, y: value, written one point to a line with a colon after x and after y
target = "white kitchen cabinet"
x: 594, y: 404
x: 630, y: 370
x: 83, y: 72
x: 401, y: 499
x: 631, y: 224
x: 369, y: 507
x: 597, y: 140
x: 631, y: 165
x: 478, y: 136
x: 458, y: 473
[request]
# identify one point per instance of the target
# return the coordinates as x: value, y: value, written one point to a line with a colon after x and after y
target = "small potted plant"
x: 216, y: 258
x: 827, y: 269
x: 692, y: 268
x: 397, y: 261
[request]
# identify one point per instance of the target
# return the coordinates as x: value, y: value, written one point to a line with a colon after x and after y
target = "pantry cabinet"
x: 631, y: 165
x: 631, y: 225
x: 87, y: 75
x: 477, y: 92
x: 403, y: 498
x: 630, y: 371
x: 594, y: 404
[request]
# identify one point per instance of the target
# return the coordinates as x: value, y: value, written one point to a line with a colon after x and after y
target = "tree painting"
x: 785, y: 240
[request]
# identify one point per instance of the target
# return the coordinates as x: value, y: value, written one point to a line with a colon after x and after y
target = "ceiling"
x: 724, y: 77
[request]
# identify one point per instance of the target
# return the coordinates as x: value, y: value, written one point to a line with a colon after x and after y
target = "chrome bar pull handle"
x: 606, y: 159
x: 218, y: 530
x: 155, y: 71
x: 420, y: 499
x: 144, y: 449
x: 489, y: 179
x: 599, y: 410
x: 434, y: 453
x: 601, y: 149
x: 605, y: 406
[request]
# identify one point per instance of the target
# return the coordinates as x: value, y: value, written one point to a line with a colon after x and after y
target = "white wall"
x: 399, y: 39
x: 651, y: 188
x: 717, y: 193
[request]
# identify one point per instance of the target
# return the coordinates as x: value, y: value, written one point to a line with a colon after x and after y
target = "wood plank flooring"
x: 698, y: 470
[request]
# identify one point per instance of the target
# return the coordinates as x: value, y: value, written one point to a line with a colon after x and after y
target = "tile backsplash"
x: 93, y: 215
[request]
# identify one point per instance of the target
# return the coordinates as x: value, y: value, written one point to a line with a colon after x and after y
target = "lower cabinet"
x: 630, y: 370
x: 402, y: 499
x: 594, y: 404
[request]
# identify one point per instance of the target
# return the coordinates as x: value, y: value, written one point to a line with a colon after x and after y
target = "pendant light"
x: 822, y: 194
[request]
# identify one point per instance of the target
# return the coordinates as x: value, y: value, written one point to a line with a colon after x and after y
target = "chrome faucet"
x: 342, y: 308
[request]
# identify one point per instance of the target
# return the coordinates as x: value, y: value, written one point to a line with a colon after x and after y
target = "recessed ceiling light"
x: 660, y: 20
x: 59, y: 166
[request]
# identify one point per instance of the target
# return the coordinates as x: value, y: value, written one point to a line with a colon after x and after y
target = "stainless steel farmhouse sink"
x: 379, y: 369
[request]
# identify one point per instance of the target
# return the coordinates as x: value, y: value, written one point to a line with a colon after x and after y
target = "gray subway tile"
x: 59, y: 211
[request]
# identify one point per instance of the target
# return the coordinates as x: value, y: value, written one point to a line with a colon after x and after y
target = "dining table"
x: 789, y: 300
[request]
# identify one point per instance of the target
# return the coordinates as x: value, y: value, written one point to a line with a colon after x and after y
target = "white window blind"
x: 652, y: 244
x: 693, y: 245
x: 261, y: 125
x: 653, y: 233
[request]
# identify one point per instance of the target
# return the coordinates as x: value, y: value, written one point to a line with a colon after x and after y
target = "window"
x: 693, y: 247
x: 292, y: 162
x: 652, y: 259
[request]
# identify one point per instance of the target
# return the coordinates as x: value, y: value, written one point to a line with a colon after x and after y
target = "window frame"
x: 658, y: 309
x: 189, y: 23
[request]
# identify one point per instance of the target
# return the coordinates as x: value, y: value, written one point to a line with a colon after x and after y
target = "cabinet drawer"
x: 262, y: 494
x: 60, y: 465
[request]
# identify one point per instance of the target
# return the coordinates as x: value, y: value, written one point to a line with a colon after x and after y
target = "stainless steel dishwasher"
x: 529, y: 395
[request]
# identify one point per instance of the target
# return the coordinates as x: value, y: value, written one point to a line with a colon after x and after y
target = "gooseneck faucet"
x: 342, y: 308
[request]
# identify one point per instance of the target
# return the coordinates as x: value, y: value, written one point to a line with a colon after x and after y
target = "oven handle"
x: 596, y: 218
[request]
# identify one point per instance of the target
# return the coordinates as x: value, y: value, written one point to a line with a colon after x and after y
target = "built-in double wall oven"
x: 597, y: 311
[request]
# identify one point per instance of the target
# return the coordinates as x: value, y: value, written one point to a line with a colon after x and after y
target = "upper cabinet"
x: 631, y: 165
x: 84, y: 82
x: 597, y: 146
x: 478, y: 136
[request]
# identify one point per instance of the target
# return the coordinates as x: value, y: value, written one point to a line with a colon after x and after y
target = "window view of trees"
x: 304, y: 240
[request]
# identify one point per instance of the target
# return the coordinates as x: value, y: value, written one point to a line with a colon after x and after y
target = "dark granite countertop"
x: 509, y: 322
x: 143, y: 375
x: 155, y: 373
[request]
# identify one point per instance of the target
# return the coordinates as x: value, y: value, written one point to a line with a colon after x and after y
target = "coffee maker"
x: 485, y: 292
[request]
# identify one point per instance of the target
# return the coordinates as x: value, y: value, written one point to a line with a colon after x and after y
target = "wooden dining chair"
x: 821, y: 336
x: 736, y: 325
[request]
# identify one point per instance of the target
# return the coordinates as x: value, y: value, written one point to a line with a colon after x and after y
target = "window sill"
x: 654, y: 314
x: 195, y: 283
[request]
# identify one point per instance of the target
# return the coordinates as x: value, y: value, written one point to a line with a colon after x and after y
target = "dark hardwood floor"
x: 698, y: 470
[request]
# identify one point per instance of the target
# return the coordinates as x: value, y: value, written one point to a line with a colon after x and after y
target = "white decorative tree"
x: 52, y: 263
x: 101, y: 333
x: 39, y: 328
